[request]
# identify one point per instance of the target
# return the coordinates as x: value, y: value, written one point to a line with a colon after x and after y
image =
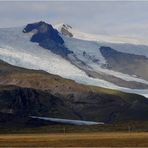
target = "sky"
x: 118, y: 18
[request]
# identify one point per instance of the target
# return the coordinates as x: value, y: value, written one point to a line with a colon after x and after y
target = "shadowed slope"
x: 41, y: 94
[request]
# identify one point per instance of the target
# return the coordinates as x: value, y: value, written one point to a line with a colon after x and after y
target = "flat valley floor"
x: 101, y: 139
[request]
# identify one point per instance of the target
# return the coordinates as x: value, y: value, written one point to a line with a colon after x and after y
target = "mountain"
x: 25, y: 93
x: 109, y: 62
x: 49, y: 71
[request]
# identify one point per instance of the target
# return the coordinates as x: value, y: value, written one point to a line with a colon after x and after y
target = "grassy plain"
x: 100, y: 139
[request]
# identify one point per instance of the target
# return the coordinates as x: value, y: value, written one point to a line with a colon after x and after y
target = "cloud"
x: 117, y: 18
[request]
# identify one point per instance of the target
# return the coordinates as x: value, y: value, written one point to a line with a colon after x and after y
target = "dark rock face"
x: 65, y: 30
x: 109, y: 52
x: 44, y: 31
x: 125, y: 62
x: 47, y: 37
x: 27, y: 101
x: 55, y: 48
x: 33, y: 26
x: 109, y: 108
x: 84, y: 106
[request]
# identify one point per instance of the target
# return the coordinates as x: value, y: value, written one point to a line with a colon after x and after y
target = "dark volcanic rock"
x: 84, y: 106
x: 54, y: 47
x: 65, y: 30
x: 47, y: 37
x: 27, y: 101
x: 44, y: 31
x: 126, y: 63
x: 109, y: 52
x: 110, y: 108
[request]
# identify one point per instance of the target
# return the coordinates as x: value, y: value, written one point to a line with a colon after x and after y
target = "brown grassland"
x: 99, y: 139
x: 127, y: 134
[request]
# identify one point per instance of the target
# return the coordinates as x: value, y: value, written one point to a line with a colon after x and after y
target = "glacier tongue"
x: 18, y: 50
x: 123, y: 44
x: 92, y: 54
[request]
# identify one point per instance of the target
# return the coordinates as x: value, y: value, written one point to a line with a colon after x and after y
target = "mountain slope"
x: 25, y: 92
x: 126, y: 63
x: 39, y: 46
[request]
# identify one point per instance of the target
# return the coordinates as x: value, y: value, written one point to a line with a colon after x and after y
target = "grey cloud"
x: 118, y: 18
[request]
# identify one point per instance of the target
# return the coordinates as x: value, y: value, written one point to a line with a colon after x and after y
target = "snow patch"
x: 67, y: 121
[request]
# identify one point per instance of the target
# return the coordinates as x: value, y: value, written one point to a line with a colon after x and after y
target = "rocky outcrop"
x: 43, y: 32
x: 126, y: 63
x: 65, y: 30
x: 28, y: 101
x: 83, y: 106
x: 47, y: 37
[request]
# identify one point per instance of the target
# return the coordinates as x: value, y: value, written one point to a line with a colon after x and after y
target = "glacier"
x: 16, y: 49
